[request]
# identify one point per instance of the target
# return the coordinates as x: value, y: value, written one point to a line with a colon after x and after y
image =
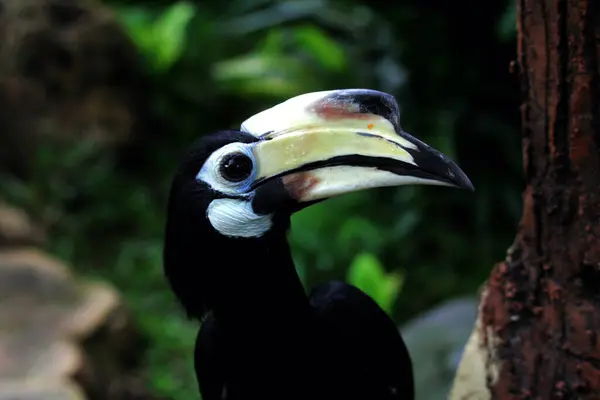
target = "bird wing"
x: 208, y: 362
x: 370, y: 357
x: 365, y: 342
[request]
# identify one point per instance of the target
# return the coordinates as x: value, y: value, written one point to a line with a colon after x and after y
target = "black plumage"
x: 227, y: 258
x: 262, y: 336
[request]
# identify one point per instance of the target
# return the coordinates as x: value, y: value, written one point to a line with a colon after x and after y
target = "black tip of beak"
x: 460, y: 179
x: 437, y: 165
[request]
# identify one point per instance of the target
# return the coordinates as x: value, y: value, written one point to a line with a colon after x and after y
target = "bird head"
x: 236, y: 190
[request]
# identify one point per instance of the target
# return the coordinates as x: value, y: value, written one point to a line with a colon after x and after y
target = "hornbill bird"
x: 227, y: 259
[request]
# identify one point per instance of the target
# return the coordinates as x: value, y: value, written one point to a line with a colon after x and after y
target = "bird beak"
x: 324, y: 144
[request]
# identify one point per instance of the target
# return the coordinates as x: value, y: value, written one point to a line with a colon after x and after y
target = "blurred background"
x: 98, y: 101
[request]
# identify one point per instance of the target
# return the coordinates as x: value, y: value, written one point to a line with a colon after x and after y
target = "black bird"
x: 227, y: 258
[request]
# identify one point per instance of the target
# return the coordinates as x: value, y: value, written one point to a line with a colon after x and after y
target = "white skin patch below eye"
x: 235, y: 218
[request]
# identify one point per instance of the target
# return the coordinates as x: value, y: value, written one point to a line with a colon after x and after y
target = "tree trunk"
x: 539, y: 320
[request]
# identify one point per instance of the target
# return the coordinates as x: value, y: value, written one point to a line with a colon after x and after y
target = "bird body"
x: 227, y: 258
x: 344, y: 347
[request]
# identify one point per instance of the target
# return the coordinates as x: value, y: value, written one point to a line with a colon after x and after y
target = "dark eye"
x: 236, y: 167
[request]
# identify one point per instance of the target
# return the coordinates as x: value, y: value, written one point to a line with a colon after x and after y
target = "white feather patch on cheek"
x: 234, y: 217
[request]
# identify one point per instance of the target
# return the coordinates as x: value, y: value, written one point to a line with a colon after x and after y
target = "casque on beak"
x: 324, y: 144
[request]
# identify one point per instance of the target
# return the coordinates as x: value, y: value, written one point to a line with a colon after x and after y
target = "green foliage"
x: 260, y: 74
x: 322, y: 47
x: 161, y: 40
x: 367, y: 273
x: 170, y: 357
x: 272, y: 70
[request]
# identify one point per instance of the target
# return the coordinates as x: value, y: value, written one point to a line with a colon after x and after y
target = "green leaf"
x: 138, y: 24
x: 360, y: 232
x: 161, y: 40
x: 273, y: 43
x: 367, y: 273
x: 262, y: 74
x: 169, y: 34
x: 326, y: 51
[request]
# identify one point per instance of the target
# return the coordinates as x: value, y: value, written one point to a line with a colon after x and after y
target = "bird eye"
x: 235, y: 167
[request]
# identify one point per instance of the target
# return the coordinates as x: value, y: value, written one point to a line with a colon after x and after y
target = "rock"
x: 17, y: 229
x: 35, y: 390
x: 435, y: 341
x: 479, y: 366
x: 55, y: 328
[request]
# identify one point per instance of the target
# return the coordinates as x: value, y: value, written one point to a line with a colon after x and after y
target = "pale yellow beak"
x: 329, y: 143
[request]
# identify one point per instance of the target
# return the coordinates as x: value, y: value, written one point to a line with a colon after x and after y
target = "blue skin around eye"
x: 244, y: 186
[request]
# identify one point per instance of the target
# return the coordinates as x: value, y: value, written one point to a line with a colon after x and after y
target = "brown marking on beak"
x: 299, y: 184
x: 332, y: 110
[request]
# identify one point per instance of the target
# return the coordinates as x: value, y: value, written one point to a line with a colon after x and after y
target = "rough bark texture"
x: 541, y: 305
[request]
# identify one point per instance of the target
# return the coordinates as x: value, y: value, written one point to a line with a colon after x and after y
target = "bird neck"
x: 237, y: 279
x: 265, y: 289
x: 264, y: 315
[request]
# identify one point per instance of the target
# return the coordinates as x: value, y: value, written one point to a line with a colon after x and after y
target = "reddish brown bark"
x: 544, y: 301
